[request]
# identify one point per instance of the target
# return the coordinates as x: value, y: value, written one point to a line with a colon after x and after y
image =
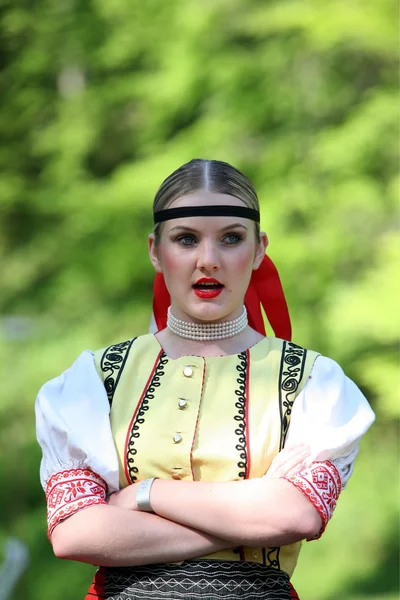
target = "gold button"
x: 176, y: 476
x: 255, y: 554
x: 182, y: 403
x: 188, y: 371
x: 177, y: 438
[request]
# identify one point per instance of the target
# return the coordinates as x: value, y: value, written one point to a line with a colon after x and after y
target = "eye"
x: 186, y: 240
x: 232, y: 238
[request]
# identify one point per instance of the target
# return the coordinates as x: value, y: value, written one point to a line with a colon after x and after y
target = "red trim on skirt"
x: 96, y: 590
x: 293, y: 593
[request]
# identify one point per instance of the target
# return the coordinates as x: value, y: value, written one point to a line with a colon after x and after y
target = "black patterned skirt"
x: 192, y: 580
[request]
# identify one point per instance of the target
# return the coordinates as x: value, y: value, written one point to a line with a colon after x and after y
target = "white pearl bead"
x: 207, y: 331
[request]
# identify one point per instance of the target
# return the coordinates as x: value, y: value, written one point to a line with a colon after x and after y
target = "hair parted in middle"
x: 211, y: 175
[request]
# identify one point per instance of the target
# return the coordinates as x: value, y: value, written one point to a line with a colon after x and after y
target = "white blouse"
x: 73, y: 426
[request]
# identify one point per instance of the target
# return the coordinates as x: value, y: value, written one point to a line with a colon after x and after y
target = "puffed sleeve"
x: 330, y: 415
x: 80, y: 464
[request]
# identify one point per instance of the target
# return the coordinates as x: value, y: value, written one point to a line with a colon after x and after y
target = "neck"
x: 175, y: 346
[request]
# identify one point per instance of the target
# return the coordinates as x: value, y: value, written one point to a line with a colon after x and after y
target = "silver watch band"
x: 143, y: 494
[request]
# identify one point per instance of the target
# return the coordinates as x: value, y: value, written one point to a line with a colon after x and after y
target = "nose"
x: 208, y: 258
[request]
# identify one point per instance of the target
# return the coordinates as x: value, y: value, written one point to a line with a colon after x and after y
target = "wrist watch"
x: 143, y: 494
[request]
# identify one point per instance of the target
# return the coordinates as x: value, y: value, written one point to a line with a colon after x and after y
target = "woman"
x: 205, y: 452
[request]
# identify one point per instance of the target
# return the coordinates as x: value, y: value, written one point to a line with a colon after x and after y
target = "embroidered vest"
x: 219, y: 418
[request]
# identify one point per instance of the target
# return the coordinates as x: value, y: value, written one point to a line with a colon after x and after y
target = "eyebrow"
x: 192, y: 229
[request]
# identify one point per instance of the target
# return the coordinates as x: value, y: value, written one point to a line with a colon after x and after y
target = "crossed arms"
x: 192, y: 519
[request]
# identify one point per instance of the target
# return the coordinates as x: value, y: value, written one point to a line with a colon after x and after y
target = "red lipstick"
x: 207, y: 287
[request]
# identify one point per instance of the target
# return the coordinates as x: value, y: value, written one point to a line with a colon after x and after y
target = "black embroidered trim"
x: 211, y: 579
x: 139, y: 420
x: 272, y: 559
x: 290, y: 375
x: 114, y: 359
x: 241, y: 416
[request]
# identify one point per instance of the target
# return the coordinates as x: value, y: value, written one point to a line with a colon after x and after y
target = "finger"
x: 287, y: 454
x: 288, y: 461
x: 296, y: 469
x: 292, y: 456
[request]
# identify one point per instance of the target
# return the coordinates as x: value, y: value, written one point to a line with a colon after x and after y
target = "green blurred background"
x: 100, y: 101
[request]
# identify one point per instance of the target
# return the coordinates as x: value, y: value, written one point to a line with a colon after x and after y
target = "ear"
x: 261, y: 249
x: 153, y: 253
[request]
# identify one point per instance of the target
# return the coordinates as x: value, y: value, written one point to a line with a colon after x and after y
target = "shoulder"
x: 328, y: 374
x: 116, y: 347
x: 81, y: 368
x: 77, y: 390
x: 322, y: 366
x: 328, y: 386
x: 115, y: 356
x: 286, y: 355
x: 294, y: 358
x: 333, y: 399
x: 120, y: 348
x: 289, y: 347
x: 328, y: 368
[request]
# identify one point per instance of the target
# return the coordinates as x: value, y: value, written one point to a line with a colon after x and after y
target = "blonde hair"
x: 212, y: 175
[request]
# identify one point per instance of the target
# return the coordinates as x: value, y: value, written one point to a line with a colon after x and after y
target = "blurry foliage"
x: 100, y: 102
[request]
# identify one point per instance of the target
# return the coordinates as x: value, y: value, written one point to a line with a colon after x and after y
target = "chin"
x: 208, y: 311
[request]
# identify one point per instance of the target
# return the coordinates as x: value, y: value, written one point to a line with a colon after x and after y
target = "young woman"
x: 204, y: 452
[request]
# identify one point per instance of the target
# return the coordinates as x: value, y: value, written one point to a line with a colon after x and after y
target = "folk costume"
x: 130, y: 412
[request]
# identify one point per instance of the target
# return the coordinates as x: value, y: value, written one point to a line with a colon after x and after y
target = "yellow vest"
x: 220, y: 418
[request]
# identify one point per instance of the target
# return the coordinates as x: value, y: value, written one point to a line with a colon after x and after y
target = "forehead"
x: 205, y: 198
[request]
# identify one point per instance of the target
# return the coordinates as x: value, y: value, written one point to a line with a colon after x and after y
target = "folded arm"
x: 266, y: 511
x: 194, y: 518
x: 107, y: 535
x: 258, y: 512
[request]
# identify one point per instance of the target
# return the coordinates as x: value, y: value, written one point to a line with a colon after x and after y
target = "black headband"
x: 220, y: 210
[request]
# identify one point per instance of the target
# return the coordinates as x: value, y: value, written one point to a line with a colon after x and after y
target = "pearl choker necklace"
x: 206, y: 332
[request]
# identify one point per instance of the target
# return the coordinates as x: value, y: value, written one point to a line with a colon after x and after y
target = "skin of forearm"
x: 256, y: 512
x: 106, y: 535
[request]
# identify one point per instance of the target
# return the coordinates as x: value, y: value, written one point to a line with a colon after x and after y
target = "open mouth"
x: 208, y: 283
x: 207, y: 286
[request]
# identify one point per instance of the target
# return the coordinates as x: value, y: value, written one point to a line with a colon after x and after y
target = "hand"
x: 288, y: 461
x: 125, y: 498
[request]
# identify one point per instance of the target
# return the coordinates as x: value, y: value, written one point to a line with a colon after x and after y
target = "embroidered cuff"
x: 320, y: 482
x: 70, y: 491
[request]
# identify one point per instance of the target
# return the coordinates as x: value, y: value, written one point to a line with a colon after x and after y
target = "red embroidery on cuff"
x: 70, y: 491
x: 321, y: 483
